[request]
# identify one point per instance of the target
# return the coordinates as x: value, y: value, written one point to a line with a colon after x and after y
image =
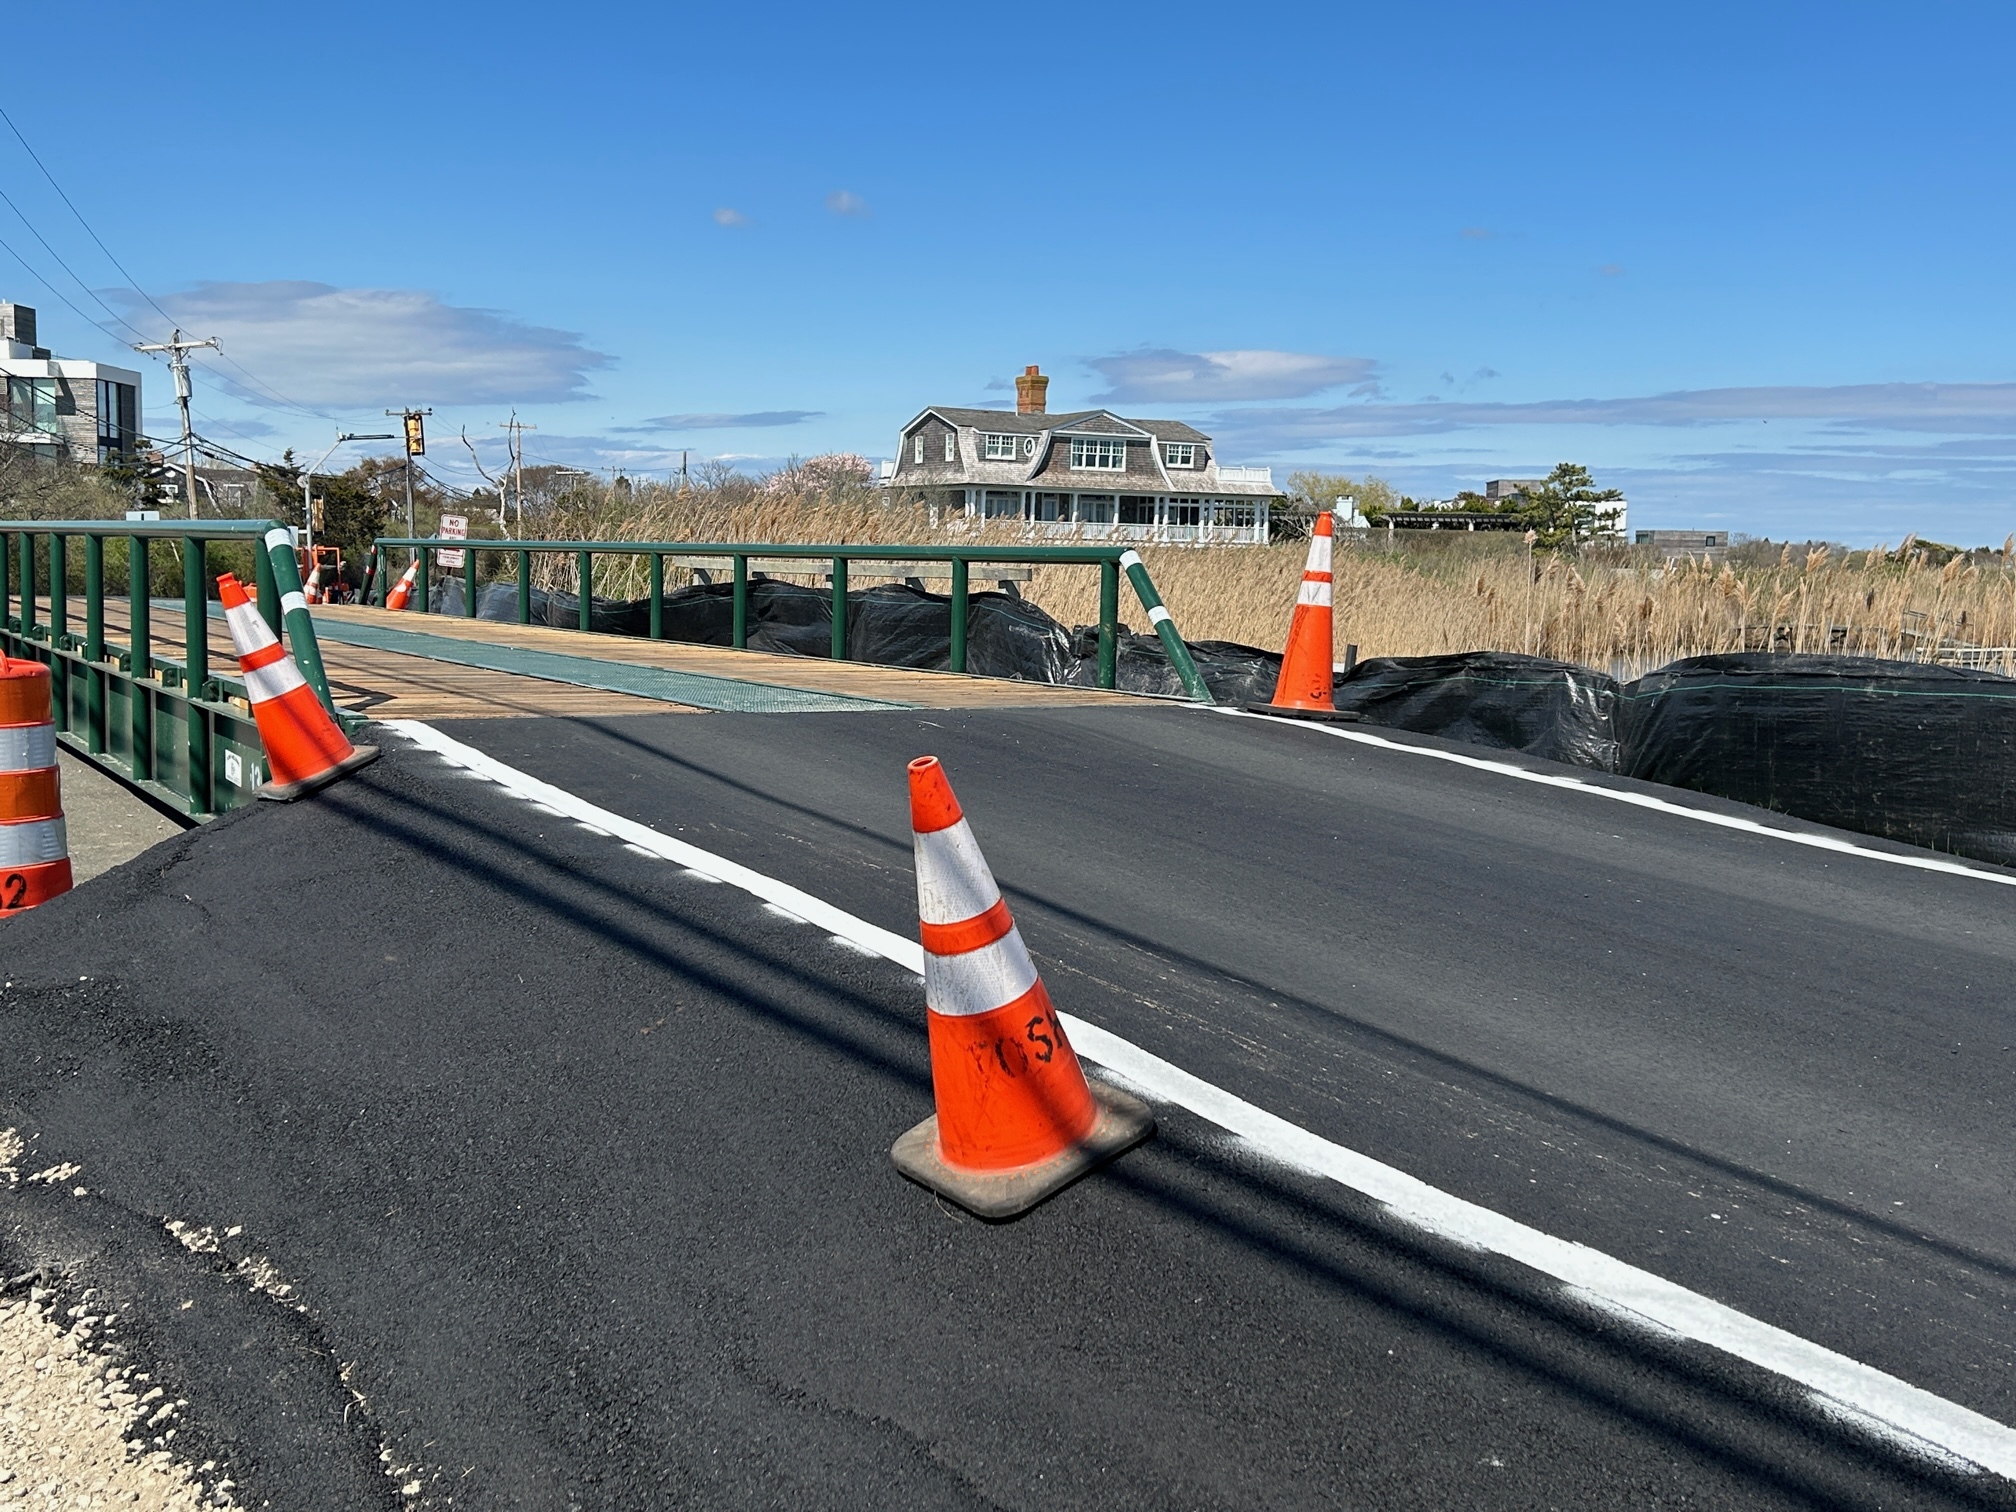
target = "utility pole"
x: 178, y: 363
x: 416, y: 446
x: 517, y: 427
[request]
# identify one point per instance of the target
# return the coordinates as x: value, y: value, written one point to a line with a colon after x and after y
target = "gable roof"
x: 1094, y: 421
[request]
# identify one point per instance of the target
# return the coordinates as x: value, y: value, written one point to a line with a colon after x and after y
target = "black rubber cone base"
x: 285, y: 792
x: 1321, y: 716
x: 1123, y: 1122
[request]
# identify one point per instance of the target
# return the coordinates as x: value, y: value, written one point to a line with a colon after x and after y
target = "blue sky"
x: 1751, y: 263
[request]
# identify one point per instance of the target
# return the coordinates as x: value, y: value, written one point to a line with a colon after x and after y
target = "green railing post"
x: 28, y: 610
x: 1165, y: 627
x: 6, y: 581
x: 381, y: 586
x: 196, y: 658
x: 1109, y: 623
x: 839, y: 608
x: 294, y: 607
x: 59, y: 627
x: 469, y: 583
x: 94, y: 644
x: 271, y: 609
x: 524, y: 587
x: 657, y: 596
x: 141, y: 706
x: 423, y: 578
x: 739, y: 627
x: 957, y: 659
x: 584, y: 575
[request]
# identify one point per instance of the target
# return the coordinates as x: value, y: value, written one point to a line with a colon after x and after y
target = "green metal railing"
x: 167, y: 726
x: 1112, y: 562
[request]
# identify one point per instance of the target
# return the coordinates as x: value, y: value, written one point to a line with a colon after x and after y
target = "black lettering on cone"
x: 13, y: 890
x: 1049, y: 1049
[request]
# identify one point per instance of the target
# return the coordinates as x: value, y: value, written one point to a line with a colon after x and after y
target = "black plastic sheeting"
x: 1921, y: 754
x: 1554, y: 709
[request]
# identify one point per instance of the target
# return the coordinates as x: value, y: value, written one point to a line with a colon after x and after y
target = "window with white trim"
x: 1097, y: 454
x: 951, y: 446
x: 999, y: 448
x: 917, y: 448
x: 1180, y: 453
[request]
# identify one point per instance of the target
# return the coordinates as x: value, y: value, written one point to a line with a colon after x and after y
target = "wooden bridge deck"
x: 411, y: 666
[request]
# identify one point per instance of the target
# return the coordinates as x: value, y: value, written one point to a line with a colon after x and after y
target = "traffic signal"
x: 416, y: 437
x: 316, y: 514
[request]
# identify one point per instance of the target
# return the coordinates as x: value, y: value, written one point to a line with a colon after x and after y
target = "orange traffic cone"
x: 304, y: 748
x: 403, y: 589
x: 1017, y: 1120
x: 1305, y: 680
x: 312, y: 589
x: 34, y: 842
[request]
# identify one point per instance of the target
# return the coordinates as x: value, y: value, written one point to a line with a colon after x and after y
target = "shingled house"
x: 1088, y: 475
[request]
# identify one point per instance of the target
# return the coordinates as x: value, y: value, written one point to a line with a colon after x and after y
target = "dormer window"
x: 1098, y: 455
x: 999, y: 448
x: 1180, y: 453
x: 917, y: 448
x: 951, y: 446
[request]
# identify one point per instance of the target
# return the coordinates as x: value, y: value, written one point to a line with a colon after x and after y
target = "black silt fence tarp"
x: 1553, y: 709
x: 1921, y: 754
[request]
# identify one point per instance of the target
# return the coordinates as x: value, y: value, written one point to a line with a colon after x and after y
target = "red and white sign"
x: 454, y: 528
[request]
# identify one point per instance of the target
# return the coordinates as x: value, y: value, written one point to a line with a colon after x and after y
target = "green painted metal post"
x: 294, y: 606
x: 524, y: 587
x: 59, y: 628
x: 1109, y: 623
x: 584, y: 576
x: 424, y: 578
x: 59, y: 588
x: 196, y: 655
x: 141, y: 706
x: 960, y: 568
x: 1165, y: 627
x: 739, y: 627
x: 657, y: 596
x: 28, y: 610
x: 469, y: 582
x: 381, y: 585
x: 839, y: 608
x: 6, y: 581
x: 271, y: 609
x: 94, y: 644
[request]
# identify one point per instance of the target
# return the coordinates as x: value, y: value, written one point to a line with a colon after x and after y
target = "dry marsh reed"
x: 1611, y: 608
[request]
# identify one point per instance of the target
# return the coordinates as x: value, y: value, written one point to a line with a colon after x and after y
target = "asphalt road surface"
x: 575, y: 1165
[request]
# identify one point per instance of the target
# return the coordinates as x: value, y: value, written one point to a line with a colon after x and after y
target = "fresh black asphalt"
x: 578, y: 1164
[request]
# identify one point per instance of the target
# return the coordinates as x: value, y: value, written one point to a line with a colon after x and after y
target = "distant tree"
x: 1567, y: 508
x: 1311, y: 493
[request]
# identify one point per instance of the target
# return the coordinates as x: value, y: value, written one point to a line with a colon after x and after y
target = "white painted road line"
x: 1843, y: 1388
x: 1636, y: 800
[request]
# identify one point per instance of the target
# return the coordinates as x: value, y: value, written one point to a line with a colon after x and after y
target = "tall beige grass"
x: 1614, y: 610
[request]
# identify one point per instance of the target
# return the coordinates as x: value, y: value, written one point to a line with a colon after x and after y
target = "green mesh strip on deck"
x: 697, y: 689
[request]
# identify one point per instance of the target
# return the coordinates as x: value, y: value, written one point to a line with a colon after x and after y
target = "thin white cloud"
x: 727, y: 217
x: 359, y: 348
x: 1959, y: 408
x: 846, y: 202
x: 1164, y: 376
x: 752, y: 419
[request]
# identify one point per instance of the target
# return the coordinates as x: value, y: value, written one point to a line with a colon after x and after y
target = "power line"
x: 80, y: 218
x: 93, y: 293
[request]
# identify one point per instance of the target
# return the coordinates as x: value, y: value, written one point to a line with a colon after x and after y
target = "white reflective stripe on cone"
x: 953, y: 882
x: 290, y: 601
x: 1316, y: 594
x: 1319, y: 554
x: 979, y: 981
x: 32, y: 842
x: 271, y: 681
x: 249, y: 630
x: 27, y: 748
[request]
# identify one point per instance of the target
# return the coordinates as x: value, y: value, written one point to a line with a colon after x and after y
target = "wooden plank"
x: 931, y: 690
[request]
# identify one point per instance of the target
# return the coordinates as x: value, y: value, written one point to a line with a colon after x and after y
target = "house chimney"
x: 1030, y: 389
